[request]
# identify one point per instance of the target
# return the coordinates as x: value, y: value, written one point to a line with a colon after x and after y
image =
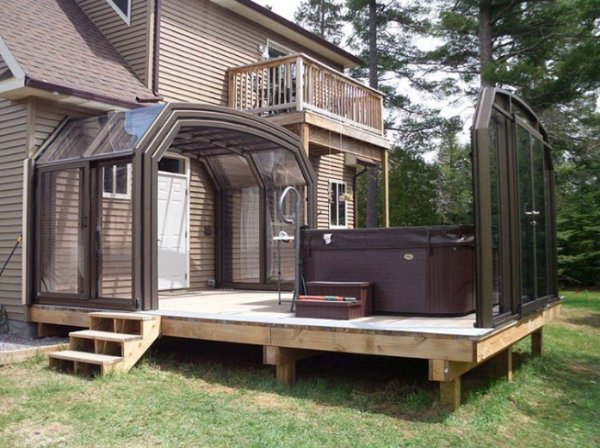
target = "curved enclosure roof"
x: 492, y: 98
x: 220, y: 136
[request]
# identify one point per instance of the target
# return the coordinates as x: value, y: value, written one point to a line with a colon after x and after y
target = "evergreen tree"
x: 322, y: 17
x: 548, y: 50
x: 454, y: 183
x: 384, y: 34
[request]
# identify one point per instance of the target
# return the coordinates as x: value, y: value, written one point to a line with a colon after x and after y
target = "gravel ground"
x: 8, y: 343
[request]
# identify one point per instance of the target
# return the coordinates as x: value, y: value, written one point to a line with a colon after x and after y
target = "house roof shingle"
x: 55, y: 43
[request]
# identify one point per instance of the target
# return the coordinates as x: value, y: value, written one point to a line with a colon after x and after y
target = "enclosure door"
x: 173, y: 250
x: 62, y: 228
x: 532, y: 203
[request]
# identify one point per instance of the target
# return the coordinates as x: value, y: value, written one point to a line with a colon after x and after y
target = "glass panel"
x: 243, y: 233
x: 540, y: 217
x: 341, y: 207
x: 74, y: 139
x: 115, y: 238
x: 123, y: 131
x: 278, y: 168
x: 337, y: 204
x: 171, y: 165
x: 117, y: 132
x: 526, y: 214
x: 496, y: 213
x: 61, y: 234
x: 280, y: 251
x: 107, y: 174
x: 121, y: 178
x: 232, y: 171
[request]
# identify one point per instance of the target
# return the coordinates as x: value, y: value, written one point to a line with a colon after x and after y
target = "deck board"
x: 262, y: 308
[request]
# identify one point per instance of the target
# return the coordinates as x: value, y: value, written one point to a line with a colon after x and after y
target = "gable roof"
x: 267, y: 18
x: 61, y: 50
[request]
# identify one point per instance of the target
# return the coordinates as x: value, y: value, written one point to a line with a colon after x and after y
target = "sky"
x: 284, y: 8
x: 462, y: 107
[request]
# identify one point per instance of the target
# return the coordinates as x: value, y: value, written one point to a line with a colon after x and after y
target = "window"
x: 171, y: 165
x: 337, y: 204
x: 116, y: 181
x: 123, y: 8
x: 275, y: 50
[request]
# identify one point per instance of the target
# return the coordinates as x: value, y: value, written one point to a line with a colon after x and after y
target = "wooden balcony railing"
x: 300, y: 83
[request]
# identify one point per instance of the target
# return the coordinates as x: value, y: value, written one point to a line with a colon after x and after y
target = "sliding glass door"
x: 533, y: 205
x: 516, y: 254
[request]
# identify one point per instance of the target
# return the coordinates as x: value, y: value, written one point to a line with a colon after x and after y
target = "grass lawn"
x: 221, y: 395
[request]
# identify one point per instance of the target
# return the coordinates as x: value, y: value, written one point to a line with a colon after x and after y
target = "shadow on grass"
x: 590, y: 320
x: 395, y: 387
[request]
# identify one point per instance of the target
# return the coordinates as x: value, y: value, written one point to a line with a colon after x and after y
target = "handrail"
x: 298, y: 82
x: 296, y: 221
x: 290, y: 57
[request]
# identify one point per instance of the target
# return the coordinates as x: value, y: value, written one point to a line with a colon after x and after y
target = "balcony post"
x: 299, y: 84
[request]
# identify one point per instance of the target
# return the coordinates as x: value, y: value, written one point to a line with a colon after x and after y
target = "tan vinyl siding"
x: 13, y: 147
x: 47, y: 117
x: 199, y: 42
x: 244, y: 211
x: 202, y: 227
x: 131, y: 41
x: 60, y: 234
x: 116, y: 265
x: 331, y: 167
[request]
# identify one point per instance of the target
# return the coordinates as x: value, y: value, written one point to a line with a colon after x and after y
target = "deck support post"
x: 449, y: 374
x: 499, y: 366
x: 284, y: 360
x: 537, y: 343
x: 450, y: 393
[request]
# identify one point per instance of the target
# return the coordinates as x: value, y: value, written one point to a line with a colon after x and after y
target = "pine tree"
x: 322, y: 17
x: 454, y: 182
x: 547, y: 50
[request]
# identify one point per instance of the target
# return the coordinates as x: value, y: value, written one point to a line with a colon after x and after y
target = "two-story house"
x: 144, y: 146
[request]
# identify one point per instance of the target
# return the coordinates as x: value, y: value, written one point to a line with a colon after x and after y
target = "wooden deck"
x: 452, y: 345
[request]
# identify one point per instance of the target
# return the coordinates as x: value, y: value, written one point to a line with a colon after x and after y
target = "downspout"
x: 355, y: 204
x: 155, y: 56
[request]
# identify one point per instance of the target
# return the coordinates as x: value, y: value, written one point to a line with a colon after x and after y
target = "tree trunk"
x: 372, y: 186
x: 486, y: 51
x: 322, y: 19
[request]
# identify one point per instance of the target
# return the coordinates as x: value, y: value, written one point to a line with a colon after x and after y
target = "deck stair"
x: 114, y: 343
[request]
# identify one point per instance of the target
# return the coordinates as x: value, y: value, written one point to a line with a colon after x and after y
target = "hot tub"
x: 414, y: 270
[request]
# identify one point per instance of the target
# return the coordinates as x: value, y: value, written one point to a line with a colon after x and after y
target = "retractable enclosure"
x: 109, y: 191
x: 514, y: 209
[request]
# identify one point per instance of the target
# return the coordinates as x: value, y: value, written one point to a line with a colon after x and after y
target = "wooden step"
x: 123, y: 316
x: 105, y: 336
x: 85, y: 357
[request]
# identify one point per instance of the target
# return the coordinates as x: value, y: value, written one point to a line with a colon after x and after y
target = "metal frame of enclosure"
x: 78, y: 258
x: 514, y: 210
x: 82, y: 238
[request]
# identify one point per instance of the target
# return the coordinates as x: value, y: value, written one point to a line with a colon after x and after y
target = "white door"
x: 173, y: 251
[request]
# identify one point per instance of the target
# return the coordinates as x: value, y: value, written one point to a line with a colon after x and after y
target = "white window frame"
x: 113, y: 194
x: 125, y: 17
x: 278, y: 47
x: 329, y: 205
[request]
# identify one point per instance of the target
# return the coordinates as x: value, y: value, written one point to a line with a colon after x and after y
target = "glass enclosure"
x: 61, y: 249
x: 95, y: 220
x: 514, y: 210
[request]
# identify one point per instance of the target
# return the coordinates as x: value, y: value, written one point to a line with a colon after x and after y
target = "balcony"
x: 299, y: 83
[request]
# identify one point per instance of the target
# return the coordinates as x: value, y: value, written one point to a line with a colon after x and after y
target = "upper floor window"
x: 338, y: 211
x: 123, y: 8
x: 274, y: 50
